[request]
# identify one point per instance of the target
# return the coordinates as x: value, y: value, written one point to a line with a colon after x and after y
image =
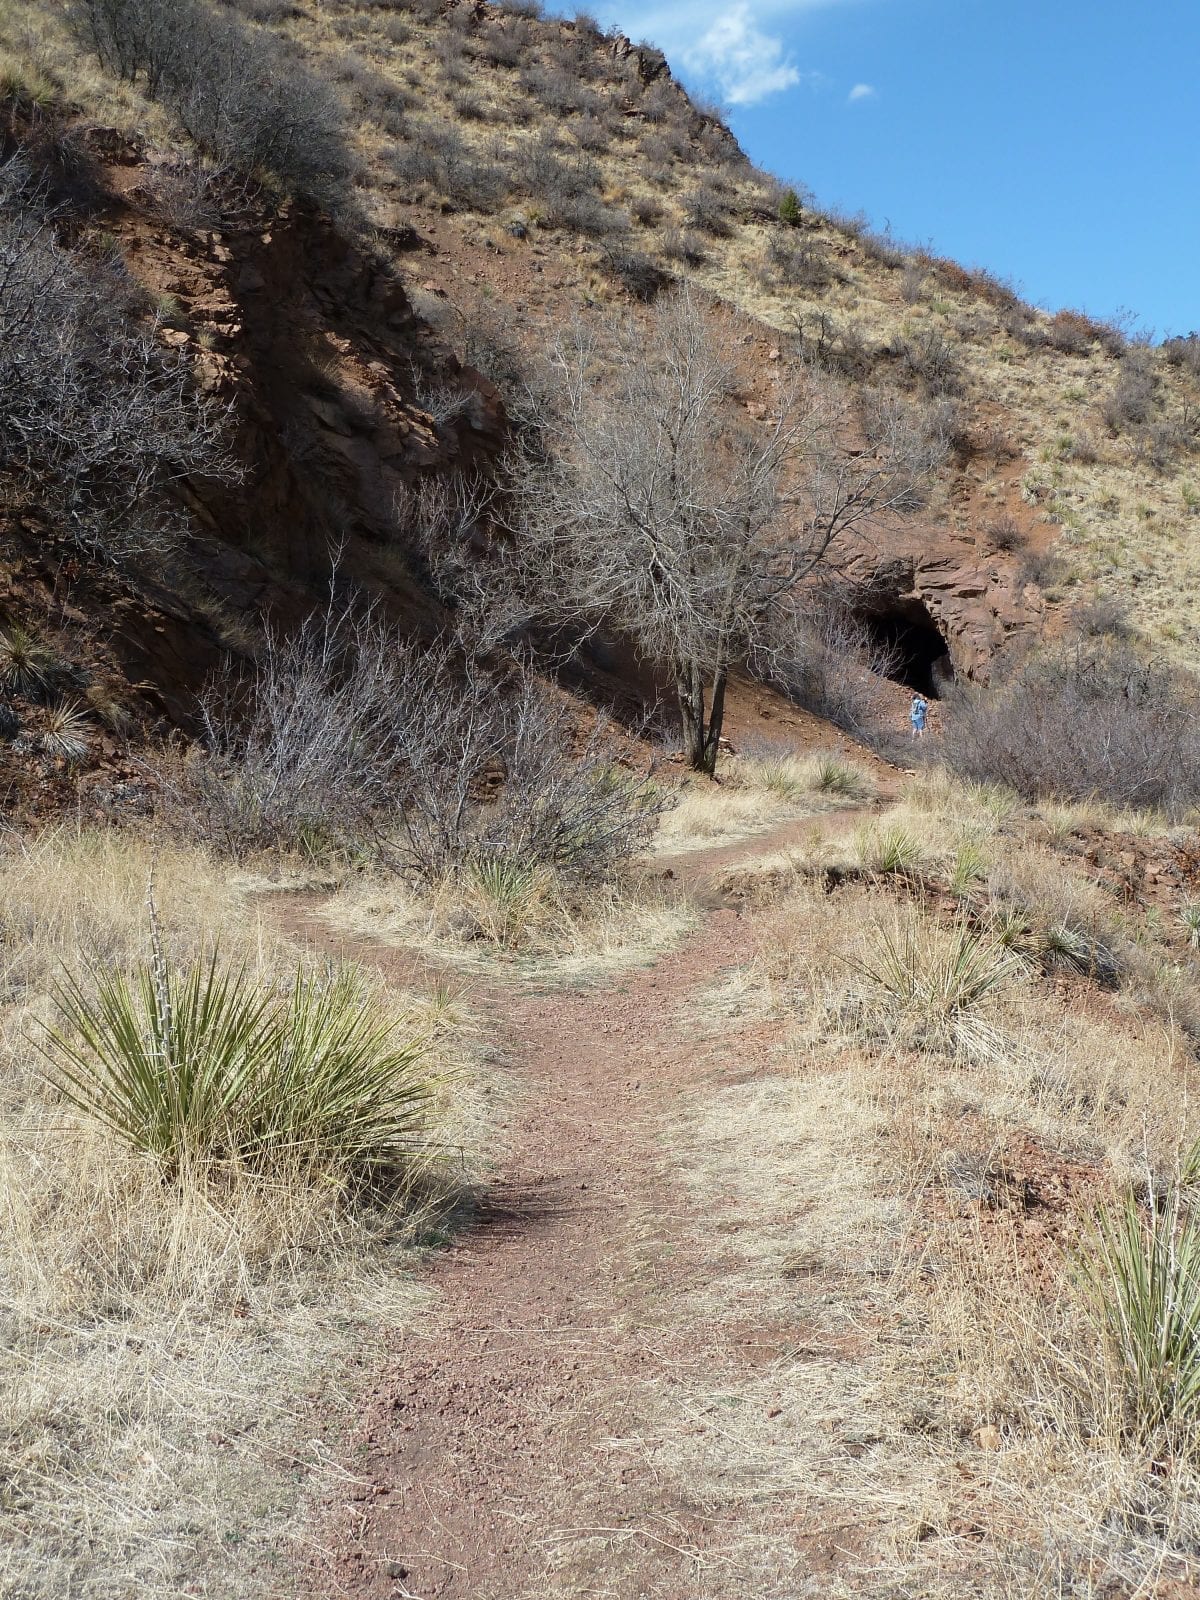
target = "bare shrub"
x: 646, y: 210
x: 823, y: 656
x: 1095, y: 719
x: 635, y: 271
x: 348, y: 736
x: 437, y: 154
x: 592, y: 134
x: 1071, y: 332
x: 831, y: 347
x: 797, y: 263
x: 927, y: 359
x: 303, y: 750
x: 1184, y: 352
x: 661, y: 103
x: 96, y: 418
x: 1132, y: 399
x: 236, y: 88
x: 707, y: 210
x: 680, y: 245
x: 565, y: 803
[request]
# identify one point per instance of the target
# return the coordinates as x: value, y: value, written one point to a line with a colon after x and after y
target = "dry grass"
x: 945, y: 1415
x: 756, y: 793
x: 161, y: 1336
x: 538, y: 927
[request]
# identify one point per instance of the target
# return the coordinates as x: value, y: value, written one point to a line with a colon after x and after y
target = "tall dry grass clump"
x: 213, y: 1171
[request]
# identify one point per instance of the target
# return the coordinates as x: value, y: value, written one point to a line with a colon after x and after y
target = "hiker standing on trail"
x: 917, y: 715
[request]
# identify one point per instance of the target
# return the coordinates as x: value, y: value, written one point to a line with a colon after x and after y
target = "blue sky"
x: 1056, y: 142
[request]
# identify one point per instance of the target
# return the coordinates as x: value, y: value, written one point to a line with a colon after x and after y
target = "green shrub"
x: 201, y: 1067
x: 790, y: 209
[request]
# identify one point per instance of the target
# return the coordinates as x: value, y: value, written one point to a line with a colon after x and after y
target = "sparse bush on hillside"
x: 236, y: 89
x: 348, y: 736
x: 707, y: 210
x: 678, y: 244
x: 1091, y: 719
x: 646, y: 210
x: 1132, y: 401
x: 832, y: 347
x: 927, y: 358
x: 635, y: 271
x: 797, y: 263
x: 1184, y: 352
x: 97, y: 421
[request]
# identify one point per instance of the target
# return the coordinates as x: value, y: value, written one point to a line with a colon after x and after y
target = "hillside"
x: 507, y: 172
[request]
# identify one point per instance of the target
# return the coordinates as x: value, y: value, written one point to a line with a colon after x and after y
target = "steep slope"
x: 478, y: 123
x: 513, y: 172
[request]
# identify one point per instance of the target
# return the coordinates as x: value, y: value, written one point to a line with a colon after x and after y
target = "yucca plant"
x: 1011, y: 928
x: 337, y: 1087
x: 163, y: 1059
x: 1189, y: 917
x: 200, y: 1067
x: 780, y: 775
x: 1145, y: 1278
x: 834, y: 776
x: 894, y: 851
x: 66, y: 732
x: 970, y: 866
x: 27, y: 667
x: 506, y: 890
x: 938, y: 977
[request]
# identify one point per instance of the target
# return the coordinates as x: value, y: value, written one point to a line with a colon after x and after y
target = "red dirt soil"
x: 486, y: 1462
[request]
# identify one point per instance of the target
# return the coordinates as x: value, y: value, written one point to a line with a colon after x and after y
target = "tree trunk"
x: 689, y: 686
x: 716, y: 719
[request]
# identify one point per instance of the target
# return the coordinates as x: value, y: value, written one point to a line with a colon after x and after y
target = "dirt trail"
x: 498, y: 1454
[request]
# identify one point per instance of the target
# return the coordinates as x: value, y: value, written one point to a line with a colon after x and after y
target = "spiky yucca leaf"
x: 27, y: 666
x: 1145, y: 1275
x: 940, y: 977
x: 338, y: 1086
x: 834, y: 776
x: 894, y: 851
x: 162, y: 1058
x: 66, y: 732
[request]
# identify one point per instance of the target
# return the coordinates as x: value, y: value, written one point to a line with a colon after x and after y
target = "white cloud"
x: 861, y: 91
x: 747, y: 64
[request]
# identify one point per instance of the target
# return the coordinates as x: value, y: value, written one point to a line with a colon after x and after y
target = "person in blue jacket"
x: 917, y: 715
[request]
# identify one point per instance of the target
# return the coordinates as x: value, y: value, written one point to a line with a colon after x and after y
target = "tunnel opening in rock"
x: 912, y: 649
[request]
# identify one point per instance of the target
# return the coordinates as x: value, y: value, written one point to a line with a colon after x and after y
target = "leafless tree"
x: 97, y: 420
x: 654, y: 511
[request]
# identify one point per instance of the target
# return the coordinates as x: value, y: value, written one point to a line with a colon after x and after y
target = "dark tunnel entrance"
x: 910, y: 646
